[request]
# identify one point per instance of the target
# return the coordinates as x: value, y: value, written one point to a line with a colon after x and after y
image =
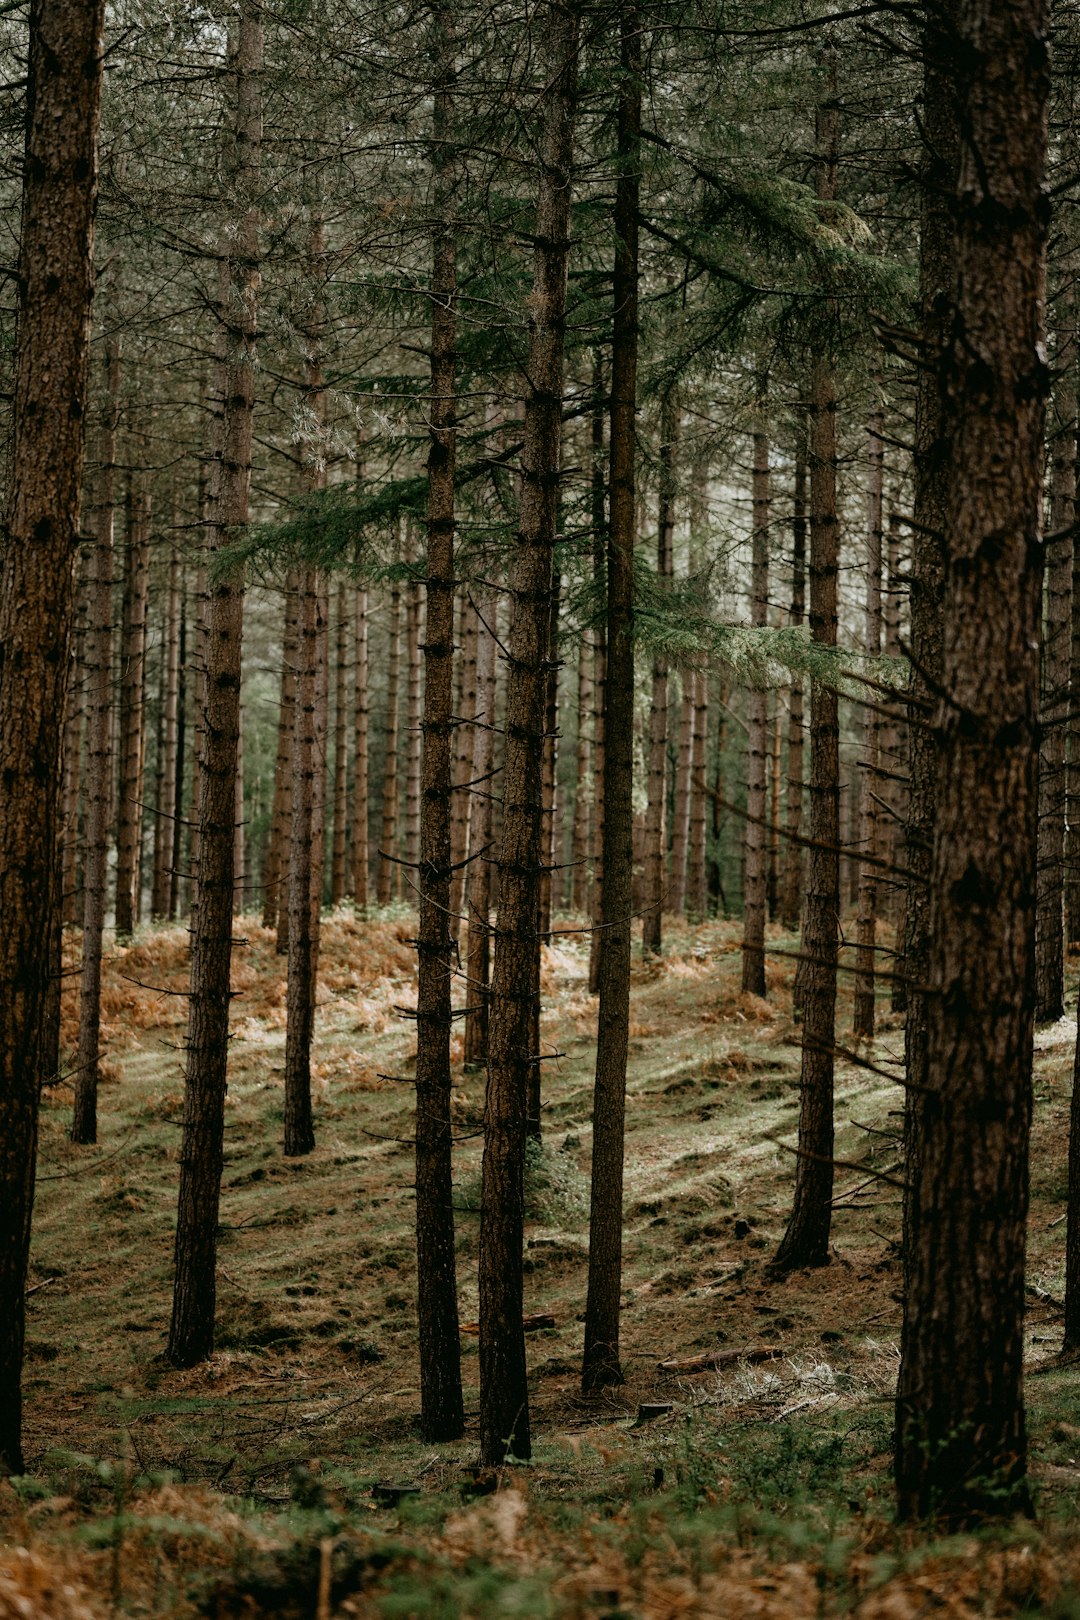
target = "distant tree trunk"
x: 772, y: 884
x: 359, y: 849
x: 413, y: 738
x: 547, y: 833
x: 442, y: 1414
x: 72, y: 747
x: 806, y: 1241
x: 961, y: 1440
x: 655, y: 885
x: 600, y: 1362
x: 388, y: 842
x: 791, y: 902
x: 598, y: 490
x: 99, y: 695
x: 240, y: 816
x: 684, y: 762
x: 181, y: 737
x: 38, y: 547
x: 1049, y: 924
x: 341, y: 746
x: 191, y: 1333
x: 275, y: 874
x: 462, y: 802
x: 169, y: 738
x: 478, y: 886
x: 583, y: 797
x: 300, y: 989
x: 869, y: 818
x: 696, y: 904
x: 753, y: 950
x: 504, y: 1395
x: 132, y: 708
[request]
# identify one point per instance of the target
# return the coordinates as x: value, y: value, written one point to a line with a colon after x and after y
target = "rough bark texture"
x: 600, y: 1362
x: 806, y: 1241
x: 441, y: 1408
x: 504, y: 1399
x: 191, y: 1333
x: 870, y: 783
x: 99, y: 643
x: 753, y: 948
x: 38, y: 547
x: 131, y: 724
x: 961, y: 1444
x: 654, y: 878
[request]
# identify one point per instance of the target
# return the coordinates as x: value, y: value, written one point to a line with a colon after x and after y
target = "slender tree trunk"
x: 441, y: 1407
x: 191, y: 1333
x: 598, y: 484
x: 38, y: 548
x: 478, y: 886
x: 132, y: 707
x: 504, y: 1397
x: 73, y: 743
x: 169, y: 737
x: 359, y: 848
x: 753, y: 951
x: 388, y: 843
x: 300, y: 994
x: 791, y: 903
x: 413, y: 737
x: 461, y: 803
x: 869, y: 843
x: 341, y: 746
x: 275, y: 915
x: 1056, y: 659
x: 806, y: 1241
x: 680, y: 832
x: 696, y: 904
x: 772, y: 884
x: 961, y: 1441
x: 654, y: 895
x: 181, y: 737
x: 600, y: 1363
x: 583, y: 796
x: 98, y: 760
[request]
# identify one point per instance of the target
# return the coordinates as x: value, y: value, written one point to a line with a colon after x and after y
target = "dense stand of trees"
x: 487, y: 396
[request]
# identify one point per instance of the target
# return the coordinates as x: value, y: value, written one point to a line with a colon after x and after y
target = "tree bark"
x: 696, y: 904
x: 504, y: 1397
x: 870, y: 786
x: 275, y: 914
x: 655, y: 884
x: 478, y: 885
x: 413, y: 738
x: 73, y: 743
x: 580, y: 844
x: 300, y: 988
x: 806, y: 1241
x: 341, y: 747
x: 600, y: 1362
x: 387, y: 849
x: 169, y: 735
x: 38, y: 547
x: 191, y: 1332
x: 132, y: 707
x: 753, y: 950
x: 359, y: 850
x: 598, y: 491
x: 961, y: 1442
x: 791, y: 903
x: 462, y: 802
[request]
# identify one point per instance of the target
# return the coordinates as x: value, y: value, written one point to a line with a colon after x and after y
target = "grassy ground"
x: 245, y: 1486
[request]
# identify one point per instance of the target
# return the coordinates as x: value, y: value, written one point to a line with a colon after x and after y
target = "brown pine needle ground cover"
x: 760, y: 1487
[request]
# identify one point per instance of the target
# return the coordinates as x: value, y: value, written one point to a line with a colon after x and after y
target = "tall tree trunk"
x: 791, y: 903
x: 181, y: 737
x: 388, y: 842
x: 478, y: 885
x: 461, y: 802
x: 654, y: 895
x: 1057, y: 627
x: 191, y: 1332
x: 169, y: 737
x: 772, y: 882
x: 99, y: 644
x: 132, y: 707
x: 961, y: 1442
x: 696, y: 904
x: 870, y: 786
x: 413, y: 738
x: 753, y: 950
x: 359, y: 846
x: 442, y: 1415
x: 600, y: 1362
x: 275, y: 872
x: 340, y: 816
x: 806, y: 1241
x: 73, y: 742
x: 598, y: 491
x: 38, y: 547
x: 583, y: 796
x: 504, y: 1395
x: 684, y: 764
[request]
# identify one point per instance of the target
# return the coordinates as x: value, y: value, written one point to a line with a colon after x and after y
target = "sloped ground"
x: 763, y: 1491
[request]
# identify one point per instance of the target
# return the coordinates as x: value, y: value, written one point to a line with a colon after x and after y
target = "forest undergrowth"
x: 286, y: 1476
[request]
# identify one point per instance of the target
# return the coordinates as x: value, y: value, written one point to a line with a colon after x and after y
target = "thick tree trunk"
x: 191, y: 1333
x: 600, y: 1362
x: 359, y: 847
x: 961, y: 1443
x: 504, y: 1396
x: 806, y: 1241
x: 753, y: 950
x: 654, y: 883
x: 791, y: 901
x: 275, y: 872
x: 99, y: 705
x: 131, y: 725
x: 388, y: 842
x: 1056, y: 659
x: 870, y: 785
x: 38, y: 548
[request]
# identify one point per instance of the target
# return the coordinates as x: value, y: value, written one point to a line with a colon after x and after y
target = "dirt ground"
x: 152, y: 1491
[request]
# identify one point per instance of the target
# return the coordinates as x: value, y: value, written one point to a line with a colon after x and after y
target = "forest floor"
x: 247, y: 1486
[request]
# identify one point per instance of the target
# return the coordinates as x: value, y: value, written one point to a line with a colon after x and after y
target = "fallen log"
x: 709, y: 1360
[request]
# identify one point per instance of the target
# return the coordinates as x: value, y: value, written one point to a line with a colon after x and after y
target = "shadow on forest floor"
x: 245, y: 1486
